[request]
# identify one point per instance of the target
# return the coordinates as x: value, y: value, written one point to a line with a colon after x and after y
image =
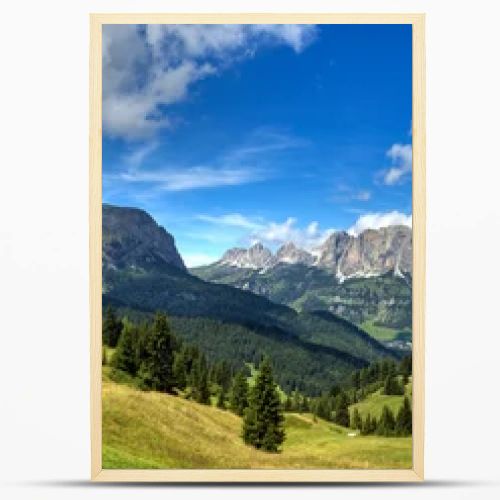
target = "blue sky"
x: 231, y: 134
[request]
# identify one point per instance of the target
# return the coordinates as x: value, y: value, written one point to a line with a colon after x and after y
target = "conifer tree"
x: 363, y: 377
x: 156, y: 368
x: 200, y: 381
x: 111, y: 327
x: 366, y: 427
x: 221, y: 400
x: 239, y: 393
x: 386, y: 424
x: 404, y: 419
x: 384, y: 369
x: 179, y: 369
x: 342, y: 410
x: 125, y: 356
x: 263, y: 419
x: 220, y: 374
x: 405, y: 366
x: 296, y: 401
x: 356, y: 379
x: 304, y: 404
x: 356, y: 422
x: 392, y: 386
x: 322, y: 407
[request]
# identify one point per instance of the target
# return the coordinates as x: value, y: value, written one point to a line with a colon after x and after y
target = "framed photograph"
x: 257, y: 247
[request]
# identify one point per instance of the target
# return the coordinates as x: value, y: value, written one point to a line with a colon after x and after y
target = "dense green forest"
x: 311, y: 350
x: 383, y: 300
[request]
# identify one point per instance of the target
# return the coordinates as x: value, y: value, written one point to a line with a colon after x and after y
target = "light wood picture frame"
x: 419, y: 254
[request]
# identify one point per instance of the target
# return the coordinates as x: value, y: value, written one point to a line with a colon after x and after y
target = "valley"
x: 313, y: 349
x: 178, y: 340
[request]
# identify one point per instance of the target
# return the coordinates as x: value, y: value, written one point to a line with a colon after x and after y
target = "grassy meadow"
x: 154, y: 430
x: 375, y: 402
x: 384, y: 333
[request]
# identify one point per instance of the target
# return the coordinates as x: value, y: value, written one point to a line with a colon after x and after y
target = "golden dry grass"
x: 153, y: 430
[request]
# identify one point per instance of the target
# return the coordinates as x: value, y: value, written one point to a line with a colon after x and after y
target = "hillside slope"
x: 375, y: 402
x: 384, y: 300
x: 153, y: 430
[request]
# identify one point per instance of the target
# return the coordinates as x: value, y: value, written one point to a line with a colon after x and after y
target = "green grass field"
x: 374, y: 403
x: 385, y: 334
x: 152, y: 430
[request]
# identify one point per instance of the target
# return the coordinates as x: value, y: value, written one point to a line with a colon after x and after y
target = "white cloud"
x: 271, y: 232
x: 235, y: 220
x: 275, y: 233
x: 198, y: 259
x: 193, y: 178
x: 401, y: 157
x: 144, y: 68
x: 298, y: 36
x: 378, y: 220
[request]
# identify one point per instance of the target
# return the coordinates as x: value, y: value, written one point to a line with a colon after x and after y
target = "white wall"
x: 44, y: 440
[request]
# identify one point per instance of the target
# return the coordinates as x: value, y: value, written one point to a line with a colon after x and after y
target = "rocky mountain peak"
x: 371, y: 253
x: 131, y: 239
x: 290, y: 254
x: 376, y: 252
x: 256, y: 257
x: 329, y: 253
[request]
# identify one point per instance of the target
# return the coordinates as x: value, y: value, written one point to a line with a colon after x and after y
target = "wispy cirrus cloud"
x: 184, y: 179
x: 401, y: 158
x: 136, y: 157
x: 148, y: 68
x: 244, y: 163
x: 234, y: 220
x: 264, y: 141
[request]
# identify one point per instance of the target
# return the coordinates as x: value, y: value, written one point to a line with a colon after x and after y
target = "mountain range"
x: 372, y: 253
x: 366, y: 279
x: 143, y: 272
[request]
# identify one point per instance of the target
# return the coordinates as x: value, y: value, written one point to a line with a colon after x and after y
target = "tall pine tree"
x: 386, y: 424
x: 179, y: 368
x: 199, y: 379
x: 111, y: 327
x: 342, y: 410
x: 238, y: 400
x: 125, y: 357
x: 155, y: 370
x: 263, y: 420
x: 356, y: 422
x: 404, y: 419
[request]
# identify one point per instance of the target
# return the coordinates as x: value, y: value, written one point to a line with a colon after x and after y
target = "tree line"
x: 333, y: 405
x: 159, y: 361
